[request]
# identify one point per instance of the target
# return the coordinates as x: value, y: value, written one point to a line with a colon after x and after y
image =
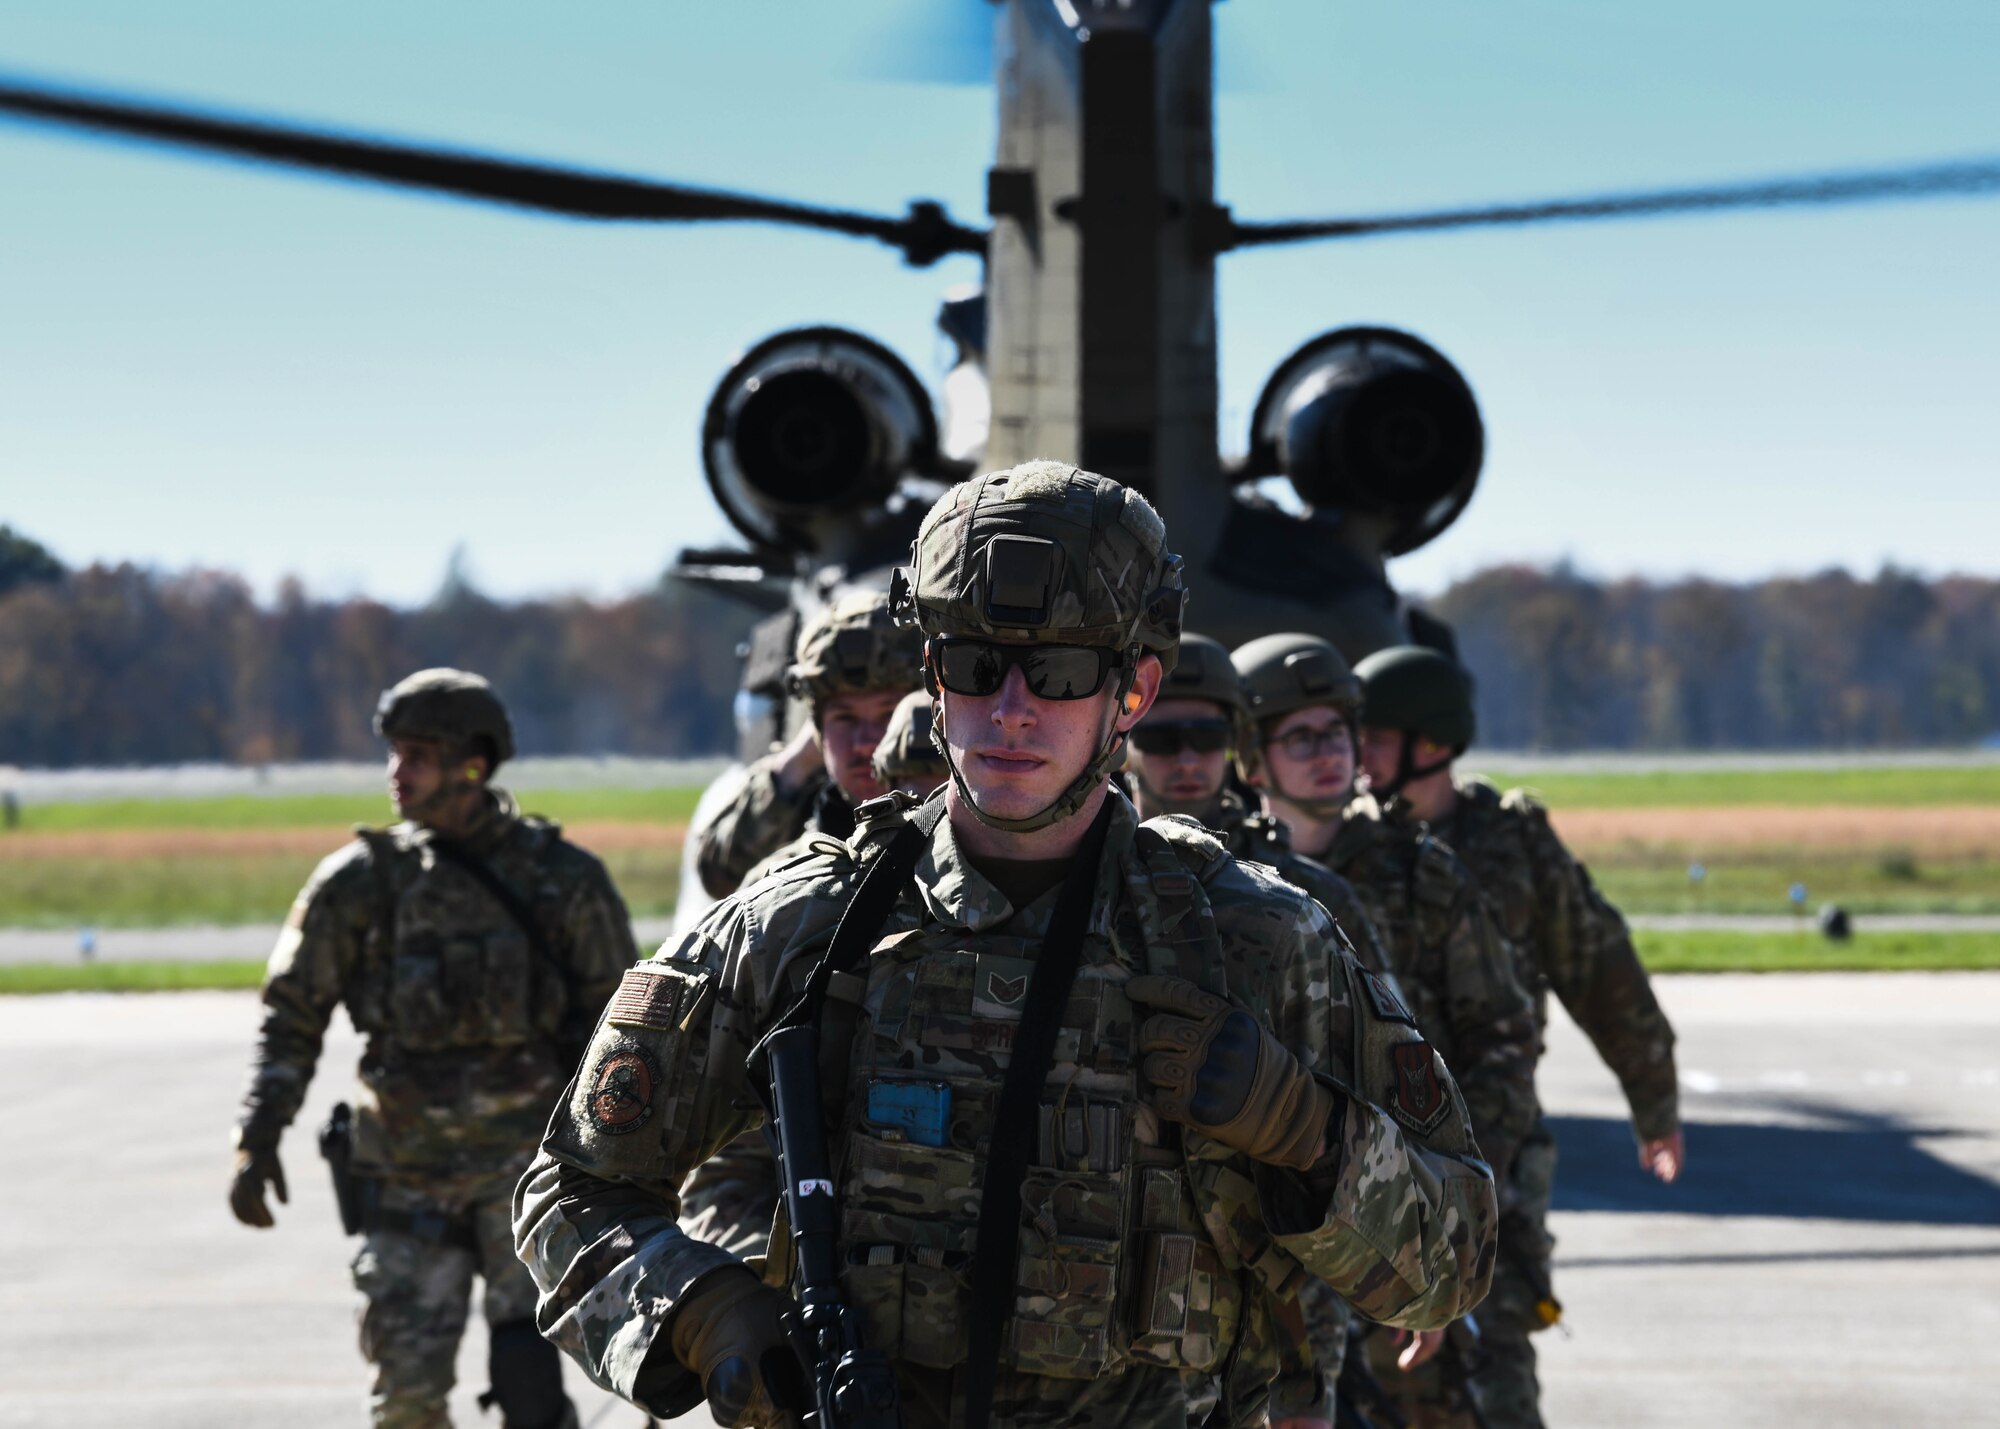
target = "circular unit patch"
x: 621, y: 1089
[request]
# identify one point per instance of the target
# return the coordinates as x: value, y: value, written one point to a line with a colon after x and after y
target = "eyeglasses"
x: 1203, y: 736
x: 1311, y: 743
x: 1053, y: 672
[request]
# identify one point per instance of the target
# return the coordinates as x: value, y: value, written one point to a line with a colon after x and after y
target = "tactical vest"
x: 445, y: 967
x: 1129, y: 1252
x: 1491, y: 836
x: 1410, y: 887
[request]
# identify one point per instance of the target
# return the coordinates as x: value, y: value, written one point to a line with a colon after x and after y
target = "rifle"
x: 853, y: 1387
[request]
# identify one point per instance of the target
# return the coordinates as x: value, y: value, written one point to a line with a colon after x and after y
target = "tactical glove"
x: 730, y: 1333
x: 1214, y: 1067
x: 255, y: 1167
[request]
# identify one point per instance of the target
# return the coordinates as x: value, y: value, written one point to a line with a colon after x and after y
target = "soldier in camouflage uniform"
x: 1416, y: 721
x: 1421, y: 902
x: 1220, y: 1112
x: 907, y: 759
x: 852, y: 667
x: 474, y: 1020
x: 730, y: 1198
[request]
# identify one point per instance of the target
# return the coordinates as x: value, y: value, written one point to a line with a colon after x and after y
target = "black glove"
x: 730, y: 1333
x: 256, y: 1166
x: 1215, y: 1067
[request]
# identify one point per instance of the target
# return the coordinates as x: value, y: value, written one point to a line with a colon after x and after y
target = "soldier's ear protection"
x: 472, y: 774
x: 1133, y: 699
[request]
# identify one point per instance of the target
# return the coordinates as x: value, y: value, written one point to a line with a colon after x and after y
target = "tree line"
x: 126, y: 665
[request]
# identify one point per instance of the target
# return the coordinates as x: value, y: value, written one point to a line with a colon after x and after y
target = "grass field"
x: 337, y: 811
x: 1664, y: 952
x: 1877, y: 840
x: 1806, y: 951
x: 1707, y: 788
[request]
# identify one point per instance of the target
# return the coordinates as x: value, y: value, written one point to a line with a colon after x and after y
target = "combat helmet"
x: 456, y: 708
x: 906, y: 754
x: 1045, y: 553
x: 1419, y: 691
x: 1287, y: 672
x: 850, y: 646
x: 1204, y: 672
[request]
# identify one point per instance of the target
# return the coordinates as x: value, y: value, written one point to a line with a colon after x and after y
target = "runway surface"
x: 1828, y: 1259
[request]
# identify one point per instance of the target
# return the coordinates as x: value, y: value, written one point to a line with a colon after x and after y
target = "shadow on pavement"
x: 1855, y: 1169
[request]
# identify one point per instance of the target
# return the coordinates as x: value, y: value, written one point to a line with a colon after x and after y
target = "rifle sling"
x: 994, y: 1253
x: 483, y: 873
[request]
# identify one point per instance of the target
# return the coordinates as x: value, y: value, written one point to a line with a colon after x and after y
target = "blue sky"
x: 209, y: 365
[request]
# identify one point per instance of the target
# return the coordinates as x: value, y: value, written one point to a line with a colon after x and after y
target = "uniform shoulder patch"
x: 1524, y: 801
x: 1416, y: 1096
x: 1385, y: 999
x: 622, y: 1084
x: 661, y: 996
x: 1198, y: 849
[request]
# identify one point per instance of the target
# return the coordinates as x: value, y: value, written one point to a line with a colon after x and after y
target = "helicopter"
x: 1091, y: 338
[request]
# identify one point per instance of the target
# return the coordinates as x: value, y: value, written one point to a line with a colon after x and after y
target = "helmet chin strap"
x: 1406, y: 768
x: 1078, y: 791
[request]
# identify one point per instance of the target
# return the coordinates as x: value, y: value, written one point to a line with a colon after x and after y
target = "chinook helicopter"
x: 1092, y: 338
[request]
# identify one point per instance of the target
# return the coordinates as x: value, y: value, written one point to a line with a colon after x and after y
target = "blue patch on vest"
x: 921, y: 1111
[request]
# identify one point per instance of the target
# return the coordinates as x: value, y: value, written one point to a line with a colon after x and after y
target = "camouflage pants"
x: 415, y: 1299
x: 1501, y: 1369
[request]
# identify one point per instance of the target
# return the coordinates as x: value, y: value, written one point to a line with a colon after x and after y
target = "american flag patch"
x: 646, y: 999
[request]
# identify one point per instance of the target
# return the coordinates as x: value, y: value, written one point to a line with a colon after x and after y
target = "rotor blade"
x: 924, y: 235
x: 1917, y: 181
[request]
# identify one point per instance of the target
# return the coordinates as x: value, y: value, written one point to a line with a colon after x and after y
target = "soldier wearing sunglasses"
x: 1093, y: 1089
x: 1179, y: 757
x: 1458, y: 978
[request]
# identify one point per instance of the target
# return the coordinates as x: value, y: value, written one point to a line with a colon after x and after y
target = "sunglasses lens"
x: 1207, y: 738
x: 1063, y: 672
x: 970, y: 667
x: 1203, y: 737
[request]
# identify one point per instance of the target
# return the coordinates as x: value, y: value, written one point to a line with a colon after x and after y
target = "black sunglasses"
x: 1203, y: 736
x: 1053, y: 672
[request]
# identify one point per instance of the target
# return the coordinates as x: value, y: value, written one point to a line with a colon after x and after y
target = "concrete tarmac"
x: 1828, y: 1258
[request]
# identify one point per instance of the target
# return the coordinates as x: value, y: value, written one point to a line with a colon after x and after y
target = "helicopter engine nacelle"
x: 808, y: 435
x: 1377, y: 425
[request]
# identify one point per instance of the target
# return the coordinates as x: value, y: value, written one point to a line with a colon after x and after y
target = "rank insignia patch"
x: 1388, y: 1003
x: 1416, y: 1096
x: 621, y: 1089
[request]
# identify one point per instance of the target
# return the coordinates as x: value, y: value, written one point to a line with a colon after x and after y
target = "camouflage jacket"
x: 1458, y: 977
x: 755, y: 823
x: 1135, y: 1255
x: 1567, y: 939
x: 470, y: 1032
x: 1259, y: 838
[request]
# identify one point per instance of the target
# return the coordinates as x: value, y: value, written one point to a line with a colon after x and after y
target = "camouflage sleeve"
x: 662, y: 1087
x: 597, y: 946
x: 1399, y: 1215
x: 758, y: 820
x: 1492, y: 1017
x: 316, y: 951
x: 1592, y: 967
x: 730, y: 1198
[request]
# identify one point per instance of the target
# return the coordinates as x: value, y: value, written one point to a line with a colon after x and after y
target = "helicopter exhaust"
x: 1375, y: 424
x: 808, y: 437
